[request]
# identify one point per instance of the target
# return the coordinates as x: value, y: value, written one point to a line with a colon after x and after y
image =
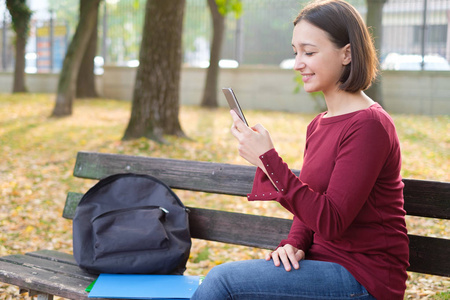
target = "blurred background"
x: 413, y: 30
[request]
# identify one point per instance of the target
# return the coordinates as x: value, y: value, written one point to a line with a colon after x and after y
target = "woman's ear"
x: 347, y: 53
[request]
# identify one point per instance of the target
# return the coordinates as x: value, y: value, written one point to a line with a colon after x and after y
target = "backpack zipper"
x: 111, y: 212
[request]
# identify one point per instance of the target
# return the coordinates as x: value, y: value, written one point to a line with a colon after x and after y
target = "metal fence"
x: 412, y: 29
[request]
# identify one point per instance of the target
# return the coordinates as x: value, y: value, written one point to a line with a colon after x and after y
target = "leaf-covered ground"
x: 38, y: 155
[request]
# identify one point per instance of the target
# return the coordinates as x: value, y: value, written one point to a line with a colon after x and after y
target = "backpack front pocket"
x: 129, y: 230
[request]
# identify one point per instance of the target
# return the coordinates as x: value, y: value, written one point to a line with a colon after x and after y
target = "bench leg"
x: 44, y: 297
x: 40, y: 295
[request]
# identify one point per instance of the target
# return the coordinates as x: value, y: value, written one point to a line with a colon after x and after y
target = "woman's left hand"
x: 253, y: 142
x: 287, y: 255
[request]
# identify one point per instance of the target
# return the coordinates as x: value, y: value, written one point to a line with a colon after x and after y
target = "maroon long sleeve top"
x: 348, y: 200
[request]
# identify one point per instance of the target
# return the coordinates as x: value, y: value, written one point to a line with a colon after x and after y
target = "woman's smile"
x: 307, y: 77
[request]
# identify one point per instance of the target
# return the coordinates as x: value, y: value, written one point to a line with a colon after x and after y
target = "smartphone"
x: 233, y: 103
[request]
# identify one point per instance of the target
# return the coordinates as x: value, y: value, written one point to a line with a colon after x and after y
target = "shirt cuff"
x: 275, y: 168
x: 263, y: 187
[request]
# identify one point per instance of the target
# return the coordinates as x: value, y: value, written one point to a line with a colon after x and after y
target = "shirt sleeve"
x: 300, y: 236
x: 362, y: 153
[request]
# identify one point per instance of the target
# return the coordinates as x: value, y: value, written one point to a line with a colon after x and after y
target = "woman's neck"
x: 340, y: 103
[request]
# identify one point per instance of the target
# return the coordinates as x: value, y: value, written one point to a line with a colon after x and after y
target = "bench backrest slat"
x: 425, y: 198
x: 422, y: 198
x: 178, y: 174
x: 221, y: 226
x: 427, y: 255
x: 238, y: 228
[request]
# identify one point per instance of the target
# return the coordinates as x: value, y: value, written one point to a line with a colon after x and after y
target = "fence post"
x: 447, y: 52
x: 424, y: 34
x: 4, y: 33
x: 239, y: 50
x: 51, y: 40
x: 105, y: 32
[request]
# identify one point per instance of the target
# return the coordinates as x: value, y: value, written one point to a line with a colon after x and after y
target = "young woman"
x: 348, y: 238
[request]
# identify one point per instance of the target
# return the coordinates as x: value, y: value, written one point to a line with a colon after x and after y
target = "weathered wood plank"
x: 34, y: 278
x: 237, y: 228
x: 49, y: 265
x: 422, y: 198
x: 429, y: 255
x: 55, y: 256
x: 222, y: 226
x: 427, y: 198
x: 178, y: 174
x: 70, y: 207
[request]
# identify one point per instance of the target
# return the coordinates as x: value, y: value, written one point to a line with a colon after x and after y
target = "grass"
x: 38, y: 155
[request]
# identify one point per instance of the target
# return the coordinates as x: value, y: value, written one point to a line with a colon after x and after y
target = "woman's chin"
x: 310, y: 89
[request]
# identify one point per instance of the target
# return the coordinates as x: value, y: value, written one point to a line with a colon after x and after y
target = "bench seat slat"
x: 55, y: 256
x: 49, y: 265
x: 422, y: 198
x: 44, y: 281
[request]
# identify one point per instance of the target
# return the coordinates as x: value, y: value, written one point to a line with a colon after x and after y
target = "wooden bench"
x: 45, y: 273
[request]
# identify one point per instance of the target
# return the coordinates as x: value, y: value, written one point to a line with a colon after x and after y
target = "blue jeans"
x: 261, y: 279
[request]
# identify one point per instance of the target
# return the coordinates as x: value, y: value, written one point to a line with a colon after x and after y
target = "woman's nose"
x: 299, y: 64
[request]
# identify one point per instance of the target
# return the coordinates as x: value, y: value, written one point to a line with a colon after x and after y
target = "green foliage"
x: 443, y: 296
x: 20, y: 15
x: 124, y: 20
x: 194, y: 17
x: 227, y: 6
x: 125, y: 24
x: 68, y: 16
x: 202, y: 255
x: 136, y: 4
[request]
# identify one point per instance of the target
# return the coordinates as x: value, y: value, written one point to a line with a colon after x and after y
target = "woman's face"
x: 318, y: 59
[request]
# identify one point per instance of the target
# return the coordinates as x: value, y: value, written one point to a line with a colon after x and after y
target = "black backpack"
x: 133, y: 224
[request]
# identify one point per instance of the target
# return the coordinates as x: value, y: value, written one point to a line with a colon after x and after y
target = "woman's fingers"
x: 290, y: 252
x: 285, y: 260
x: 237, y: 122
x: 287, y: 255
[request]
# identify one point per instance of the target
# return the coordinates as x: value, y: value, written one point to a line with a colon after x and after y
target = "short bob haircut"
x: 344, y: 25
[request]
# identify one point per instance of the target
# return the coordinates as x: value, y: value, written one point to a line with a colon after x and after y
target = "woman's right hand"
x: 253, y: 142
x: 287, y: 255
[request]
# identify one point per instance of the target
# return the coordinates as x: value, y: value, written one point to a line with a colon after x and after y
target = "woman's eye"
x: 295, y: 53
x: 309, y: 53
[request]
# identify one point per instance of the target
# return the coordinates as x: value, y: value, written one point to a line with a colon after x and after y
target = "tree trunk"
x: 20, y: 14
x: 19, y: 67
x: 374, y: 21
x: 71, y: 65
x: 86, y: 77
x: 155, y: 106
x: 210, y: 91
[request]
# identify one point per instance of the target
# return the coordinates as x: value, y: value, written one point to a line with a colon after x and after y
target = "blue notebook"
x: 131, y: 286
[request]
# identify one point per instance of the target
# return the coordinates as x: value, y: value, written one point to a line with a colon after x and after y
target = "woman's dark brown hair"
x: 344, y: 25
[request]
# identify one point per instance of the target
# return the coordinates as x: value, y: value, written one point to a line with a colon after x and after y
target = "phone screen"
x: 233, y: 103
